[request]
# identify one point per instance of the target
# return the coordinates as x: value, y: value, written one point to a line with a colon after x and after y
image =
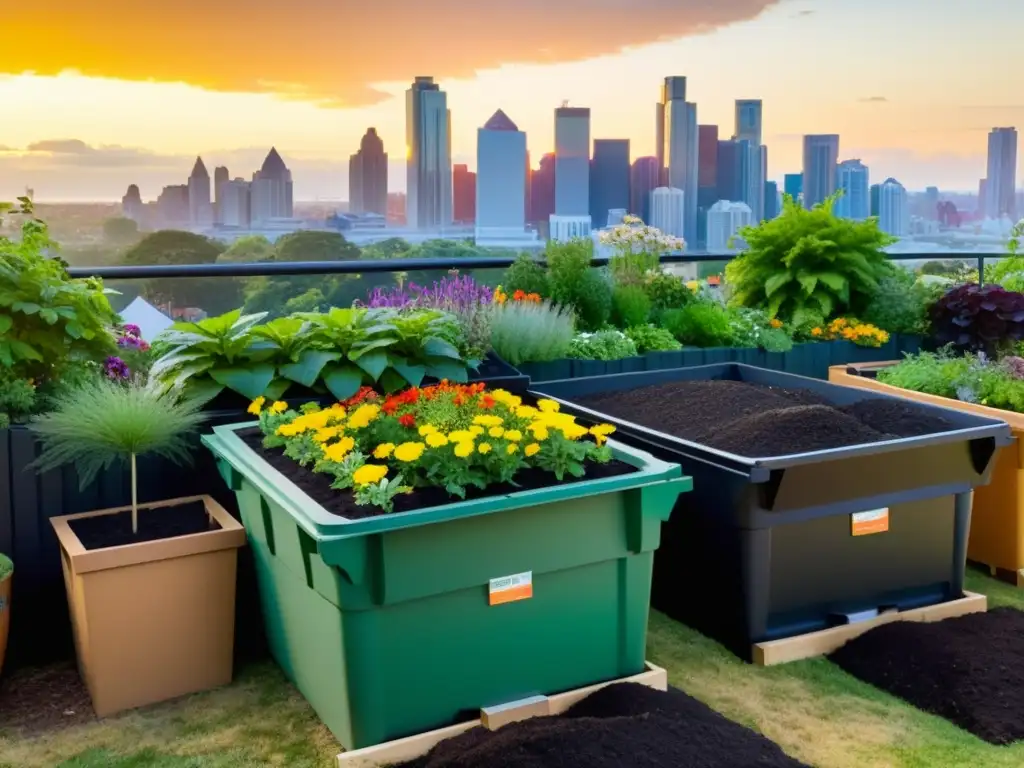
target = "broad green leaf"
x: 391, y: 381
x: 368, y: 346
x: 413, y: 374
x: 203, y: 390
x: 5, y: 323
x: 444, y: 368
x: 277, y: 389
x: 374, y: 363
x: 23, y: 351
x: 435, y: 347
x: 775, y: 303
x: 249, y: 381
x: 307, y: 369
x: 6, y: 358
x: 808, y: 283
x: 773, y: 283
x: 833, y: 280
x: 26, y: 307
x: 342, y: 379
x: 48, y: 315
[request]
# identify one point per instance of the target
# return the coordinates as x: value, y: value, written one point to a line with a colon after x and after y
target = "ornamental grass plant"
x: 531, y: 332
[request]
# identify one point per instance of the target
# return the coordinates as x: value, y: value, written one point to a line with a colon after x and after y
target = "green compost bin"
x: 393, y: 625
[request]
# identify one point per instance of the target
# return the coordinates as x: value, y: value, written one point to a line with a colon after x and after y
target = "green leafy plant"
x: 808, y: 261
x: 666, y: 291
x: 700, y: 324
x: 630, y: 305
x: 651, y: 338
x: 527, y: 275
x: 575, y: 284
x: 593, y: 302
x: 1009, y: 272
x: 902, y: 302
x: 104, y: 422
x: 6, y: 566
x: 608, y: 344
x: 528, y: 332
x: 753, y: 328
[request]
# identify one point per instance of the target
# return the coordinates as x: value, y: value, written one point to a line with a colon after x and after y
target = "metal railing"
x: 372, y: 266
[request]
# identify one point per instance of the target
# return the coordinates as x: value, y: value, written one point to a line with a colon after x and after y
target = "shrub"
x: 593, y: 301
x: 630, y: 306
x: 525, y: 332
x: 528, y: 276
x: 976, y: 318
x: 902, y: 302
x: 753, y: 328
x: 567, y: 262
x: 808, y: 261
x: 651, y: 338
x: 666, y: 291
x: 608, y: 344
x: 700, y: 324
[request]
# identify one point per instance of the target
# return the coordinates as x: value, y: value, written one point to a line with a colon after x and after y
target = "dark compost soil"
x: 37, y: 699
x: 755, y: 420
x: 342, y: 503
x: 154, y: 524
x: 626, y: 725
x: 969, y: 669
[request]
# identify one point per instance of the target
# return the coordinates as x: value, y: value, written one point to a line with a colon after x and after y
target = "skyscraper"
x: 852, y: 179
x: 668, y: 210
x: 368, y: 176
x: 542, y: 190
x: 609, y: 179
x: 173, y: 206
x: 748, y: 120
x: 876, y: 196
x: 200, y: 209
x: 131, y: 204
x: 1000, y: 194
x: 643, y: 179
x: 220, y: 178
x: 429, y: 163
x: 794, y: 185
x: 681, y: 148
x: 749, y: 128
x: 572, y: 161
x: 235, y: 203
x: 751, y: 177
x: 893, y: 208
x: 463, y: 194
x: 272, y: 195
x: 725, y: 219
x: 730, y: 171
x: 771, y: 200
x: 500, y: 179
x: 707, y: 156
x: 821, y: 153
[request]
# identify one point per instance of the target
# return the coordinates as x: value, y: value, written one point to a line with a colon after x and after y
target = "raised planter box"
x: 997, y: 517
x: 765, y: 549
x: 394, y: 625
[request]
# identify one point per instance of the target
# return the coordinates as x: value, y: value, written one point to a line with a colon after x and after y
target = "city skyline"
x: 921, y: 114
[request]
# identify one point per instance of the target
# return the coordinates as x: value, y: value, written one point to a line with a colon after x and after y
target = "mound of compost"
x: 969, y: 669
x: 758, y: 421
x: 626, y: 725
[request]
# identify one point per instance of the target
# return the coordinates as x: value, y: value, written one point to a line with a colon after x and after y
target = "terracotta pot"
x: 153, y: 620
x: 5, y: 615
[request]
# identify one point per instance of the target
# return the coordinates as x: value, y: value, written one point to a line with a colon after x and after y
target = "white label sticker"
x: 508, y: 589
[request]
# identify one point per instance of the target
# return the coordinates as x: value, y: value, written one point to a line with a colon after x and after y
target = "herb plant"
x: 104, y: 422
x: 651, y: 338
x: 527, y: 275
x: 575, y: 284
x: 977, y: 318
x: 608, y: 344
x: 902, y: 302
x: 528, y: 332
x: 666, y: 291
x: 630, y: 305
x: 753, y: 328
x: 700, y: 324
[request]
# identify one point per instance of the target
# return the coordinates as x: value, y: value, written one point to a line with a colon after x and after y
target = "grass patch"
x: 814, y: 710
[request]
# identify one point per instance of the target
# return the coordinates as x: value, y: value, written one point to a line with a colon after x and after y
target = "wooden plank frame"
x: 492, y: 718
x: 827, y: 640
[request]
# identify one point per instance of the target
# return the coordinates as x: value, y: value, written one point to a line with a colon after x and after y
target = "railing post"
x: 981, y: 270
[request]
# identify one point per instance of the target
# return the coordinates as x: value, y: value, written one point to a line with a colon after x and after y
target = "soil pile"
x: 969, y: 670
x: 759, y: 421
x: 626, y: 725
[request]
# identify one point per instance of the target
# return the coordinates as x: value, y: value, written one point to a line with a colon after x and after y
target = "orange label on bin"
x: 872, y: 521
x: 508, y: 589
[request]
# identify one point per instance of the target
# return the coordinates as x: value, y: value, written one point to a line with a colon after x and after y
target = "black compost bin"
x: 764, y: 548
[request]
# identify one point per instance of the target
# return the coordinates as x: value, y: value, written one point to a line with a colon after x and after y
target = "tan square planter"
x: 154, y: 620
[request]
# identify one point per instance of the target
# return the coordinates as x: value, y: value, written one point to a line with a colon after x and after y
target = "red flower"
x: 408, y: 420
x: 487, y: 402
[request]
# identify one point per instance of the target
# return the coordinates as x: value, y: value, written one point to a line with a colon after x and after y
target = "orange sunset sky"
x: 97, y: 95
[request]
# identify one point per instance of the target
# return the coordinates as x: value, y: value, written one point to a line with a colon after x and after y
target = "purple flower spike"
x: 117, y: 369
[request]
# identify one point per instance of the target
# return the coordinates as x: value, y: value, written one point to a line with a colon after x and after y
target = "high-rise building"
x: 564, y: 228
x: 235, y: 205
x: 429, y: 162
x: 875, y: 196
x: 668, y: 210
x: 463, y: 194
x: 931, y: 203
x: 542, y: 190
x: 748, y: 121
x: 1000, y: 198
x: 771, y: 200
x: 220, y: 177
x: 749, y: 128
x: 725, y: 219
x: 707, y: 156
x: 681, y: 148
x: 368, y: 176
x: 793, y: 185
x: 572, y: 161
x: 821, y: 153
x: 852, y: 178
x: 643, y: 179
x: 730, y: 170
x: 609, y: 179
x: 982, y: 196
x: 893, y: 208
x: 752, y: 168
x: 272, y: 192
x: 173, y: 206
x: 131, y: 204
x: 200, y: 208
x: 500, y: 179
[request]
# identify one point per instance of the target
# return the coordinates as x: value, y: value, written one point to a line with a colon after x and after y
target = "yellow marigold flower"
x: 514, y: 435
x: 291, y: 430
x: 460, y: 436
x: 409, y: 451
x: 383, y: 450
x: 601, y: 432
x: 426, y: 429
x: 476, y: 430
x: 496, y: 431
x: 506, y: 398
x: 526, y: 412
x: 693, y: 285
x: 540, y: 431
x: 256, y: 406
x: 775, y: 323
x: 327, y: 433
x: 816, y: 332
x: 436, y: 440
x: 573, y: 431
x: 363, y: 415
x: 548, y: 406
x: 464, y: 449
x: 338, y: 451
x: 368, y: 474
x: 488, y: 421
x: 532, y: 449
x: 511, y: 448
x: 484, y: 448
x: 279, y: 406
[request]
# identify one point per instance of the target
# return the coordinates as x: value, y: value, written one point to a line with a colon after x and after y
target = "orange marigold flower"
x: 408, y: 420
x: 487, y: 402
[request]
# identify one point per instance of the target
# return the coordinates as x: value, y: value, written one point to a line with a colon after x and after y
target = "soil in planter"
x: 626, y: 725
x: 755, y: 420
x: 318, y: 485
x: 969, y: 669
x: 154, y: 524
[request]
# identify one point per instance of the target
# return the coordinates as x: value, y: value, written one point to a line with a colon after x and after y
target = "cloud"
x: 874, y: 100
x: 805, y: 12
x: 76, y: 153
x: 336, y: 53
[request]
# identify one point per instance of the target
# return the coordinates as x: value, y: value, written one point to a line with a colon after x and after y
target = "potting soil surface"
x: 154, y: 524
x: 759, y: 421
x: 318, y: 485
x: 969, y: 669
x: 626, y: 725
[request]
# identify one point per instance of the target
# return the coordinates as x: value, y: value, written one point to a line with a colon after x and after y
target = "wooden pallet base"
x: 827, y: 640
x: 1013, y: 578
x: 492, y: 718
